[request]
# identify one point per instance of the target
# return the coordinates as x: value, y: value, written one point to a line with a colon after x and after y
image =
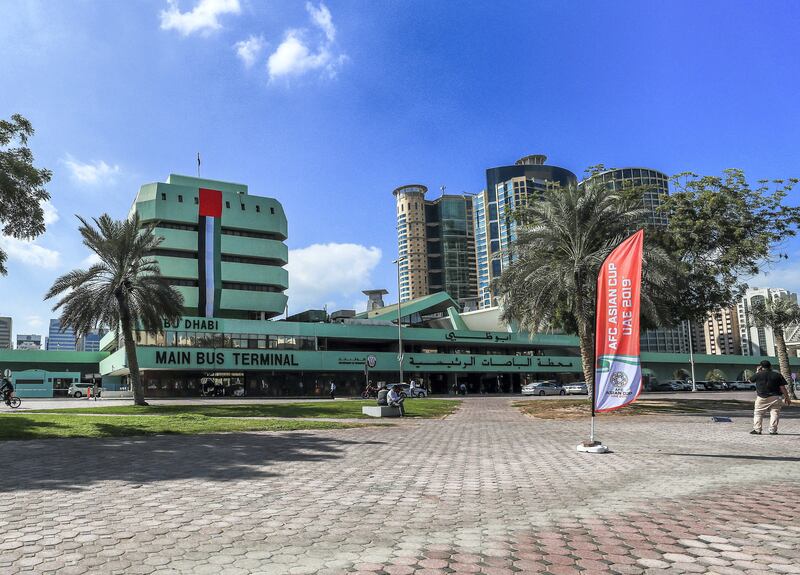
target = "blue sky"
x: 330, y: 106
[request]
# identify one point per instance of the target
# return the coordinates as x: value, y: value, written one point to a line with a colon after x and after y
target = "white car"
x: 78, y: 390
x: 741, y: 385
x: 543, y: 388
x: 405, y: 389
x: 576, y: 388
x: 680, y: 385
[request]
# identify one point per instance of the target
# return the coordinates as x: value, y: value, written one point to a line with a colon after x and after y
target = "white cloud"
x: 91, y: 173
x: 326, y: 273
x: 50, y: 213
x: 90, y: 260
x: 322, y: 19
x: 249, y: 50
x: 783, y: 274
x: 304, y: 50
x: 204, y: 17
x: 30, y: 253
x: 35, y: 322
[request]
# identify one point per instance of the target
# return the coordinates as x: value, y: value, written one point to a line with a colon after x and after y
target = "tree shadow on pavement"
x: 746, y: 457
x: 78, y: 464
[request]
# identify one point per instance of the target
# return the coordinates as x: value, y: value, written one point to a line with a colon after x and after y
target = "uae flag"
x: 618, y: 371
x: 208, y: 260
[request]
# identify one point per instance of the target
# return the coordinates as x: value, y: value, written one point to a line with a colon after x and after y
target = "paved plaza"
x: 486, y: 490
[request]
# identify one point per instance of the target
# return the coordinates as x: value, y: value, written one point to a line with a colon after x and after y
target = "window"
x: 242, y: 207
x: 164, y: 196
x: 180, y: 198
x: 196, y: 201
x: 227, y: 204
x: 272, y: 211
x: 258, y: 209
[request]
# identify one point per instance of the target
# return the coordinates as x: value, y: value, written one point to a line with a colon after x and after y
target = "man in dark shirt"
x: 771, y: 394
x: 6, y: 389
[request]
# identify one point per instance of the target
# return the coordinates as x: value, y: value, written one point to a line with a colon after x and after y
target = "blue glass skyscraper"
x: 58, y: 339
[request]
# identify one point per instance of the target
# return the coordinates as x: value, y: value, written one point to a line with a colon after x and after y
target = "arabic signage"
x: 296, y: 360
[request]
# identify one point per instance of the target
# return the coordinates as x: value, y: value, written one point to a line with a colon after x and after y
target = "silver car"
x: 543, y: 388
x: 576, y: 388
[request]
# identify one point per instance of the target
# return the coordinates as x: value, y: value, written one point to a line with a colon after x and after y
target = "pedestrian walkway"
x: 486, y: 490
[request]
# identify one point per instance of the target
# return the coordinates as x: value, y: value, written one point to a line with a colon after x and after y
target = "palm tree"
x: 778, y: 314
x: 562, y: 240
x: 124, y: 290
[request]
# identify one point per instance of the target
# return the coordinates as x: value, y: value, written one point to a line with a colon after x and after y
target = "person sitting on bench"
x: 394, y: 399
x: 382, y: 393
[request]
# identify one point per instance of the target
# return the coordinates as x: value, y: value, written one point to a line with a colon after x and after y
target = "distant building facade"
x: 757, y: 340
x: 60, y: 339
x: 436, y: 245
x: 29, y: 341
x: 90, y: 341
x: 507, y: 189
x: 6, y: 324
x: 721, y: 332
x: 655, y: 186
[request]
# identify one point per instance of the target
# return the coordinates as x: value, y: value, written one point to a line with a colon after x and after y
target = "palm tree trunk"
x: 130, y: 350
x: 586, y: 339
x: 783, y: 359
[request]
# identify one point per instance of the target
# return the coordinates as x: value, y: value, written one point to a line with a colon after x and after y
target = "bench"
x: 380, y: 411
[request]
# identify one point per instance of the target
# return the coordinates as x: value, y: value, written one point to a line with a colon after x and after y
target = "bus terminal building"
x: 225, y: 251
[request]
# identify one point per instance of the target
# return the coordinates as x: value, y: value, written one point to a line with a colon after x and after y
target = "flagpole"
x: 198, y: 164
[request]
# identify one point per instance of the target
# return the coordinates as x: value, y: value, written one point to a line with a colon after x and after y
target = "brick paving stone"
x: 459, y: 502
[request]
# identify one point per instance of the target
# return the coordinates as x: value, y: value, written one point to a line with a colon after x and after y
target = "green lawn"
x: 41, y: 426
x: 428, y: 408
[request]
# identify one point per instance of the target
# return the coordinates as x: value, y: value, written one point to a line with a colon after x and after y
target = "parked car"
x: 741, y: 385
x: 666, y: 386
x: 405, y: 390
x: 78, y: 390
x: 543, y: 388
x: 576, y: 388
x: 680, y: 385
x: 715, y: 385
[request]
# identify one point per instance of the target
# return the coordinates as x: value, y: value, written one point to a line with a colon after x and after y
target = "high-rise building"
x: 507, y: 188
x: 223, y: 249
x: 757, y: 340
x: 721, y: 332
x: 29, y: 341
x: 60, y: 339
x: 90, y: 341
x: 654, y: 185
x: 435, y: 242
x: 5, y: 332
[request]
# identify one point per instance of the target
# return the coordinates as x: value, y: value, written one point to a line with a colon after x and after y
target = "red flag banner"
x: 618, y: 370
x: 209, y: 217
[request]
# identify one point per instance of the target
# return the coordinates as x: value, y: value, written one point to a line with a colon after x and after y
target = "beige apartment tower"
x: 411, y: 242
x: 436, y: 245
x: 721, y: 330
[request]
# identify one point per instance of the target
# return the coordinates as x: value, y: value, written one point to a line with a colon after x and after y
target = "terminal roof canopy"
x: 425, y: 305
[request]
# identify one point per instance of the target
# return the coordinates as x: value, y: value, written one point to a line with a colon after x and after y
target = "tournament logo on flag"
x: 618, y: 370
x: 208, y: 260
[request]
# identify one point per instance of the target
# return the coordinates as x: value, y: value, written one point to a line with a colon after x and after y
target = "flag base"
x: 592, y: 447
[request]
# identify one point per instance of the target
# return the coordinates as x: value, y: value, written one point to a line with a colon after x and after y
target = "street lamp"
x: 398, y: 261
x: 691, y: 355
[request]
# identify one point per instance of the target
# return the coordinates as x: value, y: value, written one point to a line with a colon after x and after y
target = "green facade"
x: 251, y: 251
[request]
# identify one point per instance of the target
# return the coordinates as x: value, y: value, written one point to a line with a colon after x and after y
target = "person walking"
x: 771, y: 393
x: 333, y: 390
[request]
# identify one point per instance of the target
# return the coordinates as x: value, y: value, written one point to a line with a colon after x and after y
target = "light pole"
x: 398, y: 261
x: 691, y: 355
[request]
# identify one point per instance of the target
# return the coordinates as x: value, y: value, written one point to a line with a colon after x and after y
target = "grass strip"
x: 423, y: 408
x: 42, y: 426
x: 579, y: 408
